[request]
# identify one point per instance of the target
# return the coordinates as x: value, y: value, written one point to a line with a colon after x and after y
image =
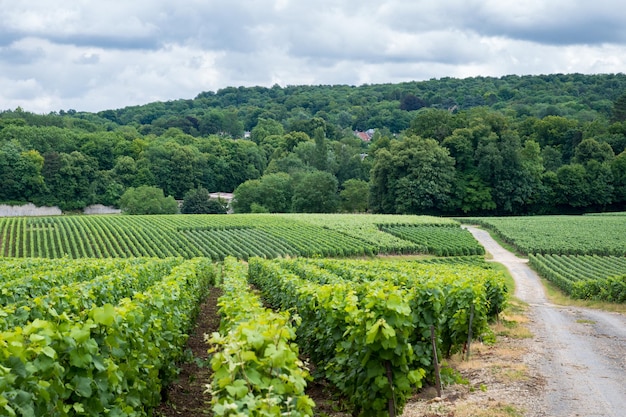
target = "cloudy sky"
x: 92, y: 55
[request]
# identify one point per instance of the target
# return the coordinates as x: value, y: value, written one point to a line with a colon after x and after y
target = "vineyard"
x: 99, y: 328
x: 94, y: 337
x: 437, y: 240
x: 585, y: 276
x: 102, y: 336
x: 560, y: 235
x: 585, y: 256
x: 216, y: 236
x: 366, y: 325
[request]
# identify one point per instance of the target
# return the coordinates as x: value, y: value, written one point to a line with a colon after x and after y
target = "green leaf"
x: 49, y: 352
x: 372, y: 332
x: 396, y: 303
x: 104, y: 315
x: 238, y: 389
x: 82, y: 386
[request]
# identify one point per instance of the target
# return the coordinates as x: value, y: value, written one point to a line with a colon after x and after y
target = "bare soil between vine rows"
x: 186, y: 397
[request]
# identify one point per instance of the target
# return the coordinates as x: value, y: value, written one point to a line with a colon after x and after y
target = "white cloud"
x: 93, y: 56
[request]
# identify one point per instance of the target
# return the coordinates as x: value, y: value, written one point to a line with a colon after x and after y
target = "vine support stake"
x: 469, y: 332
x: 435, y: 360
x: 392, y: 401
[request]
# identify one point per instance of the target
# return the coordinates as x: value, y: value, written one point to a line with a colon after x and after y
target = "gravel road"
x: 581, y: 353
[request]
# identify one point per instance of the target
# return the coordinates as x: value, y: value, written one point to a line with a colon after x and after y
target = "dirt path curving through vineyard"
x: 580, y: 352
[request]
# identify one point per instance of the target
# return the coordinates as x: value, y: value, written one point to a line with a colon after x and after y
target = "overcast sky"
x: 92, y: 55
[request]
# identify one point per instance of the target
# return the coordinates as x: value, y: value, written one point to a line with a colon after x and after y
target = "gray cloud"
x: 96, y: 55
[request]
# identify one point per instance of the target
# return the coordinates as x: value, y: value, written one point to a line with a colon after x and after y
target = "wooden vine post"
x: 392, y: 401
x: 469, y: 332
x: 435, y: 360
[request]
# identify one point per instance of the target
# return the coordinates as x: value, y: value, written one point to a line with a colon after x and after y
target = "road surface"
x: 581, y: 353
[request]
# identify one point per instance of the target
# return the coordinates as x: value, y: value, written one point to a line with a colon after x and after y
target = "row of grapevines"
x: 365, y: 227
x: 585, y: 277
x: 256, y: 369
x: 106, y: 360
x: 473, y: 260
x: 437, y: 240
x: 189, y: 236
x: 72, y: 298
x: 32, y: 277
x: 560, y: 235
x: 367, y: 323
x: 483, y: 288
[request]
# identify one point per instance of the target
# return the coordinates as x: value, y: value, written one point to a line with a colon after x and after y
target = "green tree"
x: 503, y: 168
x: 320, y: 156
x: 560, y: 132
x: 20, y: 173
x: 415, y: 176
x: 69, y: 178
x: 471, y: 194
x: 600, y: 179
x: 125, y: 171
x: 266, y: 127
x: 592, y: 150
x: 246, y: 194
x: 618, y: 167
x: 316, y: 193
x: 382, y: 198
x: 105, y: 189
x: 573, y: 187
x: 147, y: 200
x: 619, y: 109
x: 433, y: 124
x: 355, y: 196
x: 276, y: 192
x: 273, y: 192
x: 175, y: 167
x: 199, y: 201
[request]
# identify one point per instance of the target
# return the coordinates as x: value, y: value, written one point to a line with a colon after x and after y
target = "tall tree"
x: 316, y: 192
x: 320, y: 157
x: 147, y: 200
x: 199, y: 201
x: 354, y: 196
x: 415, y: 176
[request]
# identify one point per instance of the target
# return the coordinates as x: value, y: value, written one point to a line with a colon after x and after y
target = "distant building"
x: 228, y: 197
x: 364, y: 136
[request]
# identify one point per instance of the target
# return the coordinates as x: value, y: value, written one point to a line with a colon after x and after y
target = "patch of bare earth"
x: 185, y: 396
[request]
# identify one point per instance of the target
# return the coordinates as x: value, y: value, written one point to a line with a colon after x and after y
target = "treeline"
x: 509, y: 145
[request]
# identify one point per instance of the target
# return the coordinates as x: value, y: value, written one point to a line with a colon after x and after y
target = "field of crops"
x: 437, y: 239
x: 585, y: 276
x: 212, y: 236
x: 94, y: 337
x: 366, y: 324
x: 561, y: 235
x: 102, y: 336
x: 585, y: 256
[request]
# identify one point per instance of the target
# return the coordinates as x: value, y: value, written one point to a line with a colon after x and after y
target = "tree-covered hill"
x: 482, y: 145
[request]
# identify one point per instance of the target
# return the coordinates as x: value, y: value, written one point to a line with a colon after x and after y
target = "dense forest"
x: 475, y: 146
